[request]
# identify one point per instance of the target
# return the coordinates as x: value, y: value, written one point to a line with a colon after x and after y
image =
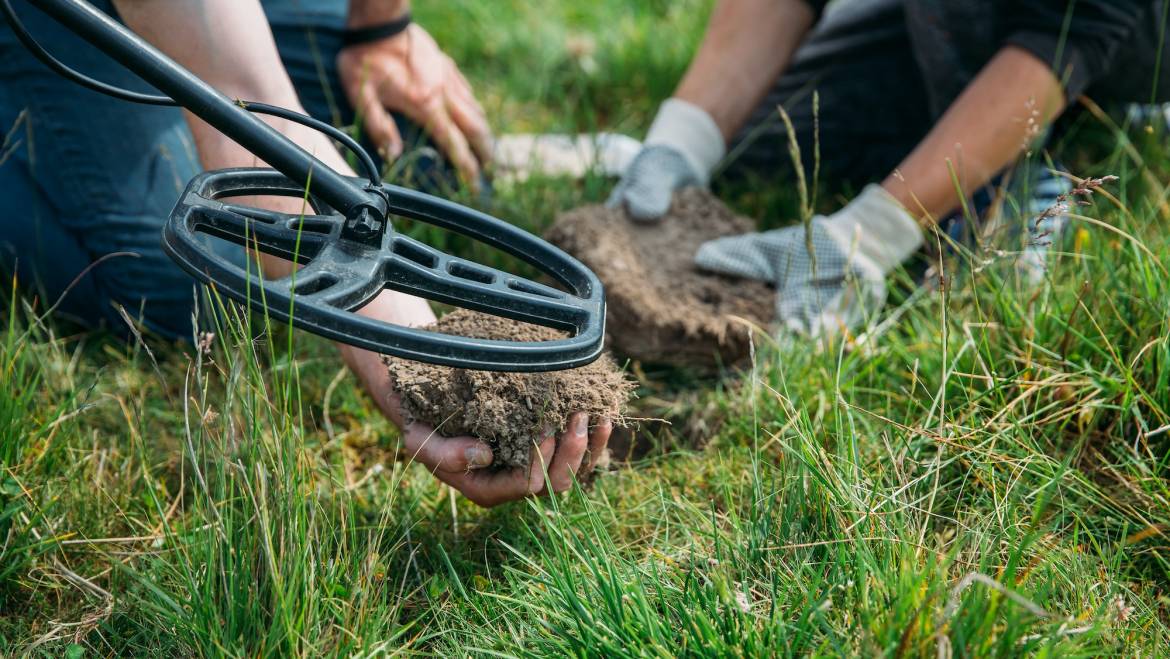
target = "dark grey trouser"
x: 885, y: 70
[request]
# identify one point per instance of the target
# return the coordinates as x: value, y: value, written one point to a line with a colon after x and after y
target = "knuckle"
x: 427, y: 96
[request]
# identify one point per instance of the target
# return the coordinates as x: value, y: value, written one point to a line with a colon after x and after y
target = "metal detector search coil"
x: 340, y: 275
x: 347, y: 247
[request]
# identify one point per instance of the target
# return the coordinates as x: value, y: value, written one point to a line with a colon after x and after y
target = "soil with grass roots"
x: 661, y: 309
x: 510, y: 411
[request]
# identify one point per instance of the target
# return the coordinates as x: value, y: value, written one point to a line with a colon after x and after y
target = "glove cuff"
x: 880, y: 228
x: 688, y: 129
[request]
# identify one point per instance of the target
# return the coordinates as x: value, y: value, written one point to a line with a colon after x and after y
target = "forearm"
x: 397, y: 309
x: 1000, y: 114
x: 747, y: 45
x: 228, y: 44
x: 364, y: 13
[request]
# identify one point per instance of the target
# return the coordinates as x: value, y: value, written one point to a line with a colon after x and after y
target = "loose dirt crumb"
x: 661, y: 308
x: 507, y: 410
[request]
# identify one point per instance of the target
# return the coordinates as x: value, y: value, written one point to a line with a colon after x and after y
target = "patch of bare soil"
x: 507, y: 410
x: 661, y: 308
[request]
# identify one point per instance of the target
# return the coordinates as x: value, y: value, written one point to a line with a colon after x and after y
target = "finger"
x: 445, y: 454
x: 452, y: 143
x: 458, y: 86
x: 474, y: 126
x: 599, y: 442
x: 465, y: 89
x: 570, y: 452
x: 489, y: 489
x: 618, y: 196
x: 378, y: 124
x: 542, y: 456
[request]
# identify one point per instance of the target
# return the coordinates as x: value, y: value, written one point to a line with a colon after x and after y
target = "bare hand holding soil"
x: 464, y: 462
x: 517, y: 414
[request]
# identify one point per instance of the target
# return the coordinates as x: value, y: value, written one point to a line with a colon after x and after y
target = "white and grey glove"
x: 681, y: 149
x: 843, y: 282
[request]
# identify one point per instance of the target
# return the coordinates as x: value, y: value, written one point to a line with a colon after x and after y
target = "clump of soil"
x: 661, y: 308
x: 507, y: 410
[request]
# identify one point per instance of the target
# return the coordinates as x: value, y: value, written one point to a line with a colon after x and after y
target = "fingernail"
x: 478, y: 456
x: 581, y: 425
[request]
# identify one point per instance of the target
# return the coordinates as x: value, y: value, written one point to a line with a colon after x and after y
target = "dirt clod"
x: 661, y: 308
x: 507, y: 410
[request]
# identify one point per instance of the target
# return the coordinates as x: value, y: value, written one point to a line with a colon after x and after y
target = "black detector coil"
x: 340, y: 274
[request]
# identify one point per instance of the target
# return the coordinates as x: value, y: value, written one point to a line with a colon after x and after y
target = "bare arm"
x: 228, y: 44
x: 747, y: 45
x: 999, y: 114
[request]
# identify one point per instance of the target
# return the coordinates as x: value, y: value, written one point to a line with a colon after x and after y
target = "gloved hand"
x: 681, y: 149
x: 844, y: 280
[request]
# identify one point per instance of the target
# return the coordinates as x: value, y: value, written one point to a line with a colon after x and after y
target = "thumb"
x: 446, y: 454
x: 618, y: 195
x: 648, y: 200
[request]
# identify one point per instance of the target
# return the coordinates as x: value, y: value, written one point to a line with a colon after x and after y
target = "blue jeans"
x: 87, y: 180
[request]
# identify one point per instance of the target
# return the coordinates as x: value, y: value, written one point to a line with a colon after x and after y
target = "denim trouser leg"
x: 90, y: 176
x: 43, y: 256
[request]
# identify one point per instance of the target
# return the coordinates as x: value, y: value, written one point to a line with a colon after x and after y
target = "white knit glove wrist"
x: 688, y: 129
x: 874, y: 225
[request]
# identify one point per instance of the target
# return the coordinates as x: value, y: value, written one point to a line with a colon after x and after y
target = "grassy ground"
x: 987, y: 476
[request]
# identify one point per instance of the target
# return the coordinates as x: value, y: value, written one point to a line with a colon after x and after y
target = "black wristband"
x: 376, y: 32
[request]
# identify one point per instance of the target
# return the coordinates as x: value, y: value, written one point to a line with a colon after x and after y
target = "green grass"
x: 986, y: 476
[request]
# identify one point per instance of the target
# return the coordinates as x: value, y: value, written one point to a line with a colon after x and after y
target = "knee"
x: 137, y: 283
